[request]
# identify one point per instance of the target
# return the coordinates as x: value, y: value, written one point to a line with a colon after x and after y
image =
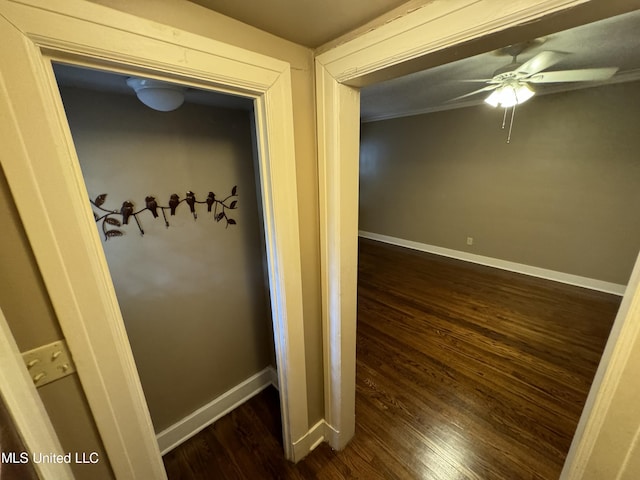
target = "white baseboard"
x: 561, y: 277
x: 186, y: 428
x: 333, y: 437
x: 189, y: 426
x: 305, y: 445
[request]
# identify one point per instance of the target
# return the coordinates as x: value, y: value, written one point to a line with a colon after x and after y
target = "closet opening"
x: 176, y: 194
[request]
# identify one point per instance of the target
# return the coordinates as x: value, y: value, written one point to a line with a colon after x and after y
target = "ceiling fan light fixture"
x: 157, y: 95
x: 494, y: 99
x: 524, y: 92
x: 509, y: 95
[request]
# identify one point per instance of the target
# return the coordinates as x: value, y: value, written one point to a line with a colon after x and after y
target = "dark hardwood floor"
x: 463, y: 372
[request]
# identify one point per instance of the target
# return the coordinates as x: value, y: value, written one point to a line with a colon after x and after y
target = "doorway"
x: 423, y: 38
x: 45, y: 178
x: 190, y: 277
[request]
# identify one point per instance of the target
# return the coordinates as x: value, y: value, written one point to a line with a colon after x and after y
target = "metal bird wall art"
x: 113, y: 220
x: 152, y: 205
x: 191, y: 201
x: 174, y: 201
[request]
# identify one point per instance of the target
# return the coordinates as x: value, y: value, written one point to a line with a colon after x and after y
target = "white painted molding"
x: 556, y: 276
x: 337, y: 116
x: 25, y: 407
x: 333, y: 437
x: 277, y: 165
x: 181, y: 431
x: 432, y: 27
x: 314, y: 437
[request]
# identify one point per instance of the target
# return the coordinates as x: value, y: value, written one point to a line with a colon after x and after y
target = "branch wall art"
x: 113, y: 220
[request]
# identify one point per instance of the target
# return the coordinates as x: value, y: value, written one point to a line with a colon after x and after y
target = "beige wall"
x: 199, y: 20
x: 563, y: 195
x: 193, y: 296
x: 30, y: 316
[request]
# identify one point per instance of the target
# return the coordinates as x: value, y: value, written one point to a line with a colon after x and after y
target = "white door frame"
x: 430, y: 29
x: 26, y: 409
x: 42, y: 170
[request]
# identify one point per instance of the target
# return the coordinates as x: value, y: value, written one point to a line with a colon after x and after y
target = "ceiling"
x: 614, y: 42
x: 306, y: 22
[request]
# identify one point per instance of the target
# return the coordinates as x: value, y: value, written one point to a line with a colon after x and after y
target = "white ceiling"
x: 306, y: 22
x: 614, y: 42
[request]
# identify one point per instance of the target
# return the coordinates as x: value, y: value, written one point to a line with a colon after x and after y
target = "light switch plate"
x: 49, y: 362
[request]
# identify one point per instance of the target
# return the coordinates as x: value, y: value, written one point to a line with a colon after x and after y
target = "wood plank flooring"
x: 463, y: 372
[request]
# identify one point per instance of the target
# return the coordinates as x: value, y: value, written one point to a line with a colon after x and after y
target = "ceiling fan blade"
x: 474, y: 80
x: 484, y: 89
x: 584, y: 75
x: 540, y: 62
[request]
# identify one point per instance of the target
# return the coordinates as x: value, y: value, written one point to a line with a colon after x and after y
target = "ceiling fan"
x: 511, y: 84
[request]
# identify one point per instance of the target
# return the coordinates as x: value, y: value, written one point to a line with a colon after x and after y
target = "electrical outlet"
x: 49, y: 362
x: 469, y: 240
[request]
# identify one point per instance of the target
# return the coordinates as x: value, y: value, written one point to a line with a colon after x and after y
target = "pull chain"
x: 513, y: 114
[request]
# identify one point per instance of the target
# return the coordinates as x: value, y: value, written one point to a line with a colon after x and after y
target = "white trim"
x: 338, y: 178
x: 40, y: 163
x: 332, y: 436
x: 192, y: 424
x: 274, y: 121
x: 181, y: 431
x: 25, y: 407
x: 585, y: 282
x: 430, y: 28
x: 314, y: 437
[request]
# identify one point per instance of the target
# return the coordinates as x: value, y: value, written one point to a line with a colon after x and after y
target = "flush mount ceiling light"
x: 156, y: 94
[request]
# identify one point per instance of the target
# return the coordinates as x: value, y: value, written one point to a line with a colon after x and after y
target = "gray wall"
x: 564, y: 195
x: 193, y: 296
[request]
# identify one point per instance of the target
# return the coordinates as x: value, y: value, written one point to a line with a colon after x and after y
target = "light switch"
x: 49, y: 362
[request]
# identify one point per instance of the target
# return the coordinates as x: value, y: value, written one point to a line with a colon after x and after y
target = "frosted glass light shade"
x: 158, y: 95
x: 509, y: 95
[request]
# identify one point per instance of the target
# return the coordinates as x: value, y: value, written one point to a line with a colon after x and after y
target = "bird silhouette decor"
x: 126, y: 211
x: 112, y: 221
x: 152, y: 205
x: 191, y: 201
x: 174, y: 201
